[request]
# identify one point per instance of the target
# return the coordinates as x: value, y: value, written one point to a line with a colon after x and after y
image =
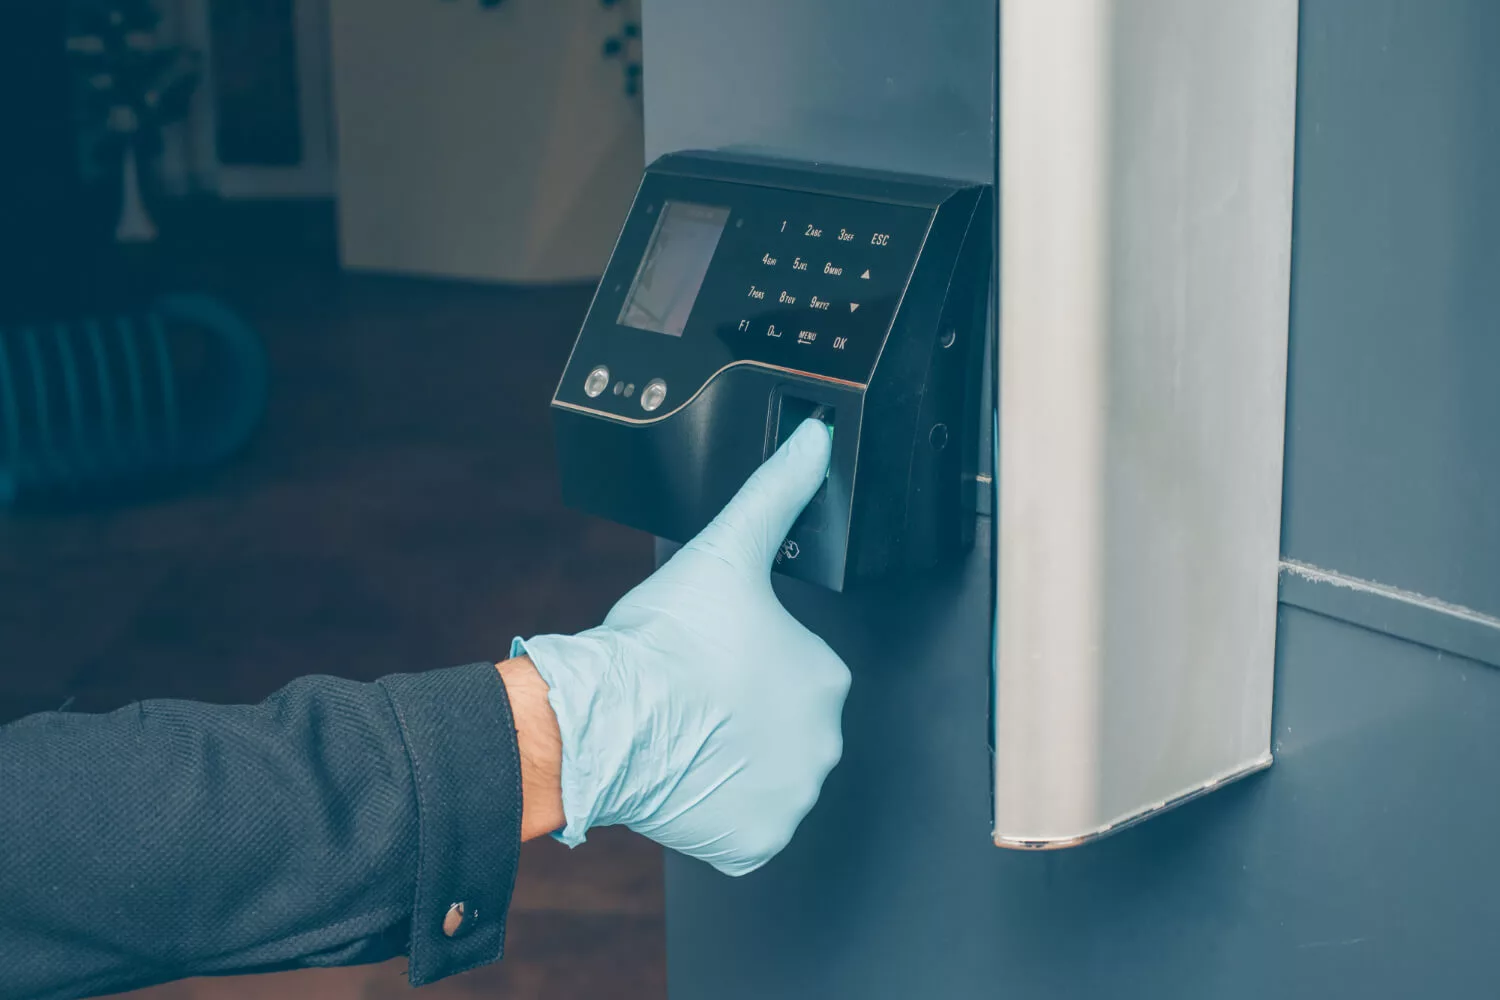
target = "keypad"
x: 821, y: 284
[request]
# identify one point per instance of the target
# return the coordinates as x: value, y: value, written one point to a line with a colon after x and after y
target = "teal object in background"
x: 95, y: 406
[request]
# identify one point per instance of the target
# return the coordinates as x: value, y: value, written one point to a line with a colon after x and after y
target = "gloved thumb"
x: 750, y: 529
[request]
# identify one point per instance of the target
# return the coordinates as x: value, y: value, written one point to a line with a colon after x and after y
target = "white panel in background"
x: 190, y: 159
x: 487, y: 144
x: 1146, y: 193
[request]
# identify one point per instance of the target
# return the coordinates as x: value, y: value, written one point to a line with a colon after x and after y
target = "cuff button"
x: 458, y: 920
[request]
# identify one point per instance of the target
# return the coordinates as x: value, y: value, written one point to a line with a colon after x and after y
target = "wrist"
x: 593, y: 720
x: 540, y: 745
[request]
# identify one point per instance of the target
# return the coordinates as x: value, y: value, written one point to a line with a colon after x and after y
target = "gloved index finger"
x: 751, y: 527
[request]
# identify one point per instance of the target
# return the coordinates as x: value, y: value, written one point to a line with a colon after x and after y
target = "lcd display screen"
x: 671, y: 273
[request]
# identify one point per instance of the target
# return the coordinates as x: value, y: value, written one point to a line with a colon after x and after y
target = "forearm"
x: 332, y: 824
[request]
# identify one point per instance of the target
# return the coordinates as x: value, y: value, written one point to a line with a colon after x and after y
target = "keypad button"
x: 653, y: 395
x: 596, y: 382
x: 832, y: 269
x: 807, y: 337
x: 770, y: 260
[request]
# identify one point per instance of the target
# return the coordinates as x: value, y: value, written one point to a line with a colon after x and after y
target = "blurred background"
x: 288, y: 285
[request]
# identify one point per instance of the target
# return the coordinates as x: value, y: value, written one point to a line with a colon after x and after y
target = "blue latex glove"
x: 701, y: 714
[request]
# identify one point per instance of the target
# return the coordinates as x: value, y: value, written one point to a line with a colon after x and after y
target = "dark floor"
x: 398, y: 511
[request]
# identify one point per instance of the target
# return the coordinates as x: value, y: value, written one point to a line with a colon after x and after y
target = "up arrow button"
x: 866, y: 275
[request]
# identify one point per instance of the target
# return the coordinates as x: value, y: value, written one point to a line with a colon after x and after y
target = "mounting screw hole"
x: 938, y: 437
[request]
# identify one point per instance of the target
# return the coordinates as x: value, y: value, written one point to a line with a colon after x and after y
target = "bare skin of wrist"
x: 540, y: 744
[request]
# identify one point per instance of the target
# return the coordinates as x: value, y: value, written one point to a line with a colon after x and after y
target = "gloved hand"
x: 701, y: 714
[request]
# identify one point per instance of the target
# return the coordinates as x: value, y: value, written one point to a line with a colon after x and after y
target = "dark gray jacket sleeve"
x: 335, y: 823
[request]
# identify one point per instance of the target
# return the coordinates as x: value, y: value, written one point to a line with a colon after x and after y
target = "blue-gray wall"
x: 1393, y: 441
x: 1362, y: 864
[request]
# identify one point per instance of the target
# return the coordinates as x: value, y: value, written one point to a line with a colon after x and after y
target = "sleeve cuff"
x: 461, y: 741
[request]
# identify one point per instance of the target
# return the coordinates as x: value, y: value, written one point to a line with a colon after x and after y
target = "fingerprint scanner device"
x: 746, y: 295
